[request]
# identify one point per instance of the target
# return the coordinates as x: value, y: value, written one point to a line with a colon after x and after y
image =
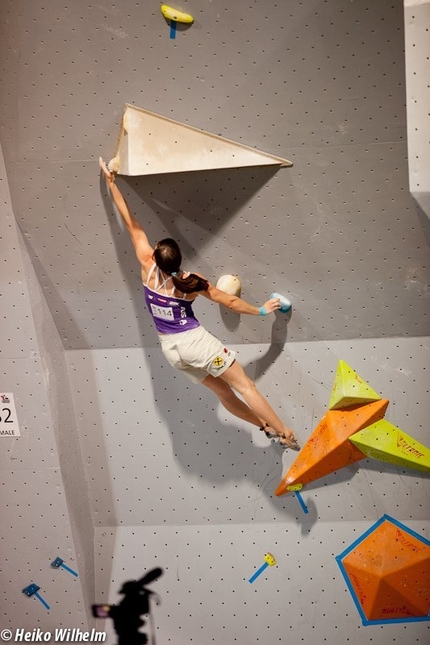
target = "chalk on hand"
x: 113, y: 165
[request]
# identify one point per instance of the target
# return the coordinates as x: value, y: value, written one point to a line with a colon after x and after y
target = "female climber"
x: 169, y: 293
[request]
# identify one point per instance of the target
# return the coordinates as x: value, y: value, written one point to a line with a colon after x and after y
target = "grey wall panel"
x: 158, y: 449
x: 318, y: 70
x: 11, y: 27
x: 303, y: 75
x: 59, y: 408
x: 321, y: 83
x: 205, y: 595
x: 338, y: 235
x: 17, y: 339
x: 36, y: 523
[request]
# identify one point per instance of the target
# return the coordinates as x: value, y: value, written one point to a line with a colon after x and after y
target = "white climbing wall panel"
x: 205, y: 596
x: 176, y: 482
x: 161, y: 450
x: 417, y: 56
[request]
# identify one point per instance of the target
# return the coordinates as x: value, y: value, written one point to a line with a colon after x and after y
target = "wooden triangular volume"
x: 150, y: 144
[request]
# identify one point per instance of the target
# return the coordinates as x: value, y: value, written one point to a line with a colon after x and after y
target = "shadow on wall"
x: 96, y: 430
x: 193, y: 208
x: 423, y: 211
x: 207, y: 199
x: 58, y: 307
x: 72, y: 448
x: 278, y: 339
x: 210, y: 445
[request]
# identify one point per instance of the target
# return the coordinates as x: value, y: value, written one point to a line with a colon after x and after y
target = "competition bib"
x: 166, y: 313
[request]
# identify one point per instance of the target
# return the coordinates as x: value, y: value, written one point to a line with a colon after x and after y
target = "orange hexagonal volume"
x: 387, y: 571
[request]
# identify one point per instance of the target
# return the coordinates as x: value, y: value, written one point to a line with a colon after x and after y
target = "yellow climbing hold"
x: 295, y: 487
x: 173, y: 14
x: 270, y: 559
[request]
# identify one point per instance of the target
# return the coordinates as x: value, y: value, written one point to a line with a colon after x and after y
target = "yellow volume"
x: 178, y: 16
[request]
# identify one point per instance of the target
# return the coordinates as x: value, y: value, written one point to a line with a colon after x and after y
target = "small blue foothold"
x: 285, y: 303
x: 57, y: 563
x: 31, y: 589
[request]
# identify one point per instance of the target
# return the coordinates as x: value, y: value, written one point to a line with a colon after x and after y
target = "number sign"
x: 8, y: 420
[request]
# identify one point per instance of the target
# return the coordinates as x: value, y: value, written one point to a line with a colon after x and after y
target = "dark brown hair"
x: 168, y: 258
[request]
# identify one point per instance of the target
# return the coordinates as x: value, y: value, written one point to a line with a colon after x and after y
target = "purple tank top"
x: 171, y: 315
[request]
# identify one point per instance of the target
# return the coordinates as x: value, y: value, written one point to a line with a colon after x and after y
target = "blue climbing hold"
x: 285, y: 303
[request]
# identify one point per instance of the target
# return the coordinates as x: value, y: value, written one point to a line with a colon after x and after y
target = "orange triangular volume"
x: 328, y: 448
x: 350, y: 389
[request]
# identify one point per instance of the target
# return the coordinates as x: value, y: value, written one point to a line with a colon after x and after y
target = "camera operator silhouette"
x: 126, y: 616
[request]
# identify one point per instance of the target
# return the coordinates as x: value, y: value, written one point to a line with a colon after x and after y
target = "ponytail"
x: 189, y: 284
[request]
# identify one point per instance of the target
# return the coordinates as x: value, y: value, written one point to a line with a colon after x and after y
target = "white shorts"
x: 197, y: 353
